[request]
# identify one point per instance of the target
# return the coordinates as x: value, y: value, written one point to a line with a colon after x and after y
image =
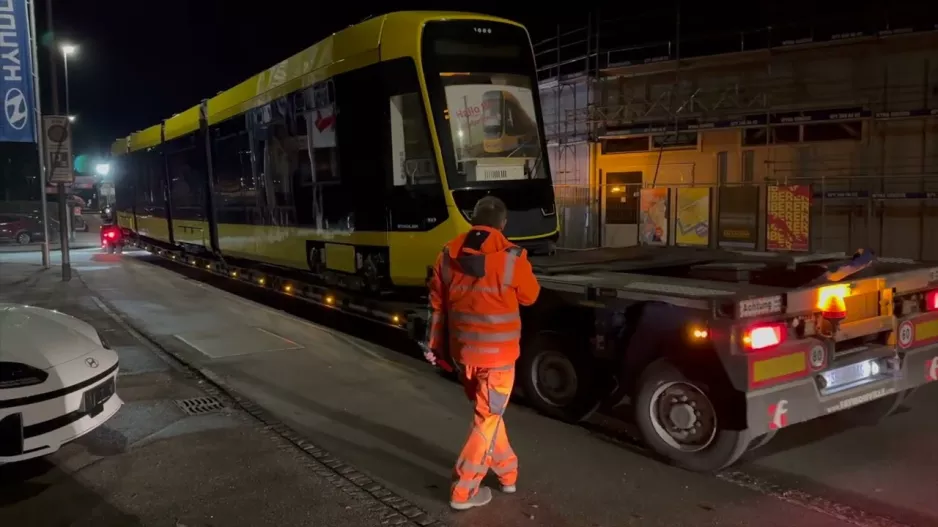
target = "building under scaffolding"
x: 850, y: 108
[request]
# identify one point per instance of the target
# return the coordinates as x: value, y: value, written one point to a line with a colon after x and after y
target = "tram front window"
x: 493, y: 126
x: 482, y: 88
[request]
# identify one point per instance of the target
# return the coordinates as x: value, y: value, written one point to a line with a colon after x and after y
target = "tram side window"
x: 187, y: 175
x: 231, y: 166
x: 277, y: 146
x: 147, y: 166
x: 412, y: 160
x: 320, y: 117
x: 124, y: 187
x: 363, y: 141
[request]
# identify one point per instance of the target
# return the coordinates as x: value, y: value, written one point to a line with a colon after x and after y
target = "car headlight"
x: 18, y: 375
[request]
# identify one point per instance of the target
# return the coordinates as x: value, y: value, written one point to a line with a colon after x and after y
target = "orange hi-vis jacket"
x: 477, y: 285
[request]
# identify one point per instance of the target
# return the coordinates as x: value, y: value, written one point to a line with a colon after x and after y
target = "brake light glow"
x: 931, y: 300
x: 764, y: 336
x: 111, y: 234
x: 831, y: 301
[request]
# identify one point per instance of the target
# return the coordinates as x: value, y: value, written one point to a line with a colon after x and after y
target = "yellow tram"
x: 330, y: 161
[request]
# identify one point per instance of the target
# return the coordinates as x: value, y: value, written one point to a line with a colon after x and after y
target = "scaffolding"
x: 593, y: 81
x: 599, y: 80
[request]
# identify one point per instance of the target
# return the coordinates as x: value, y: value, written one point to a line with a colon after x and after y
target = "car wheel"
x: 23, y: 238
x: 676, y: 419
x: 556, y: 380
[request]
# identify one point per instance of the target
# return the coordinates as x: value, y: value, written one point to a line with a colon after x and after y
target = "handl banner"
x: 692, y: 222
x: 738, y: 218
x: 18, y: 116
x: 788, y: 218
x: 653, y: 216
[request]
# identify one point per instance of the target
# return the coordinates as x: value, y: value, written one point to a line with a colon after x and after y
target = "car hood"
x: 42, y: 338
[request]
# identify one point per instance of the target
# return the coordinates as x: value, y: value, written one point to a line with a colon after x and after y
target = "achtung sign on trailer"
x: 56, y: 133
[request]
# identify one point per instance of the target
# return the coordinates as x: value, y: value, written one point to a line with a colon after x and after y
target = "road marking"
x: 840, y: 511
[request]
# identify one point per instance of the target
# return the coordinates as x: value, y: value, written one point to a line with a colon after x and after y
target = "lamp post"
x: 67, y: 51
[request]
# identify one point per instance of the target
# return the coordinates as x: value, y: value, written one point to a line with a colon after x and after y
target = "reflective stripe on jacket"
x: 477, y: 285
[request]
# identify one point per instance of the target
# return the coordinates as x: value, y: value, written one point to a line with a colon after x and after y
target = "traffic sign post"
x: 57, y: 138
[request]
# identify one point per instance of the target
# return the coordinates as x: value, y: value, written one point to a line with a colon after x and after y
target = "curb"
x: 395, y: 510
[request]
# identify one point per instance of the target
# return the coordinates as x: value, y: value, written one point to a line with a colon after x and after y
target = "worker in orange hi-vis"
x: 476, y: 287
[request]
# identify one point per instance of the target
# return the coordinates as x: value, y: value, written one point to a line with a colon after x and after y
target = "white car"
x: 58, y: 381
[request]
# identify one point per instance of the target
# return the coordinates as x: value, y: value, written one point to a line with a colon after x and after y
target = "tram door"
x: 620, y: 208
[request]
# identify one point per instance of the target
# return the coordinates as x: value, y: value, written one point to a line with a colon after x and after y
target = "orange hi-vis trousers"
x: 487, y: 446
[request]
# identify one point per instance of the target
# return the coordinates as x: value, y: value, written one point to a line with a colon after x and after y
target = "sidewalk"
x: 156, y: 464
x: 83, y: 240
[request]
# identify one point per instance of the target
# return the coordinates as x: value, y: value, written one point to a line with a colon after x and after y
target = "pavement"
x: 386, y: 424
x: 154, y: 464
x: 83, y: 240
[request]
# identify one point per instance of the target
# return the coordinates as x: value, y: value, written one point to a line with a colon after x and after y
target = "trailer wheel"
x: 873, y: 412
x: 119, y: 248
x: 555, y: 379
x: 109, y: 249
x: 676, y: 419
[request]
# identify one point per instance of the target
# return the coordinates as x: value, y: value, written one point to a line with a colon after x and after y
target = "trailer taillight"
x: 764, y: 336
x: 931, y: 300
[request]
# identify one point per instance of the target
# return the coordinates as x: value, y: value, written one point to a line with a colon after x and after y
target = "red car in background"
x: 23, y: 228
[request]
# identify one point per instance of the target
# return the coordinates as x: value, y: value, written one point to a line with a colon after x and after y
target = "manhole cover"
x: 200, y: 405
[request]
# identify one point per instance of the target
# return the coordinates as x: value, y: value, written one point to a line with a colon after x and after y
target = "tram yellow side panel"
x: 193, y: 232
x: 153, y: 227
x: 126, y: 220
x: 413, y: 252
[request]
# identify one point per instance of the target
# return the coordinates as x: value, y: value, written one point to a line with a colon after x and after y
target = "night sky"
x: 141, y: 62
x: 140, y: 65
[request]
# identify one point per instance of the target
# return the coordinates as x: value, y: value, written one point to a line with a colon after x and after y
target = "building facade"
x: 853, y: 114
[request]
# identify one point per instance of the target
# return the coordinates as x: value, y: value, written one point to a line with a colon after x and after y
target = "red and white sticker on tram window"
x: 906, y: 334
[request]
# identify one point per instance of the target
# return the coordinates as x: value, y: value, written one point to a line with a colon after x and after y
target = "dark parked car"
x: 23, y: 228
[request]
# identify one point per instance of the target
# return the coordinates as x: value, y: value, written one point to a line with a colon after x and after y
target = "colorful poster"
x: 738, y: 218
x: 788, y: 218
x: 692, y: 221
x: 653, y: 216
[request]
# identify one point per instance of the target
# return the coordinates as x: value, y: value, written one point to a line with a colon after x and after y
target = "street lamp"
x: 72, y: 118
x: 103, y: 169
x: 67, y: 51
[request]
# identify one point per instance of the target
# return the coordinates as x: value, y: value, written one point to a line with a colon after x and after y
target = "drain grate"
x: 199, y: 405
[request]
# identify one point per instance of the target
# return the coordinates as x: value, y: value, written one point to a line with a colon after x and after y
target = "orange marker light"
x: 831, y: 301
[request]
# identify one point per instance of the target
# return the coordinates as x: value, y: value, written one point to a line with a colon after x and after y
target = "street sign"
x: 56, y: 133
x: 17, y: 115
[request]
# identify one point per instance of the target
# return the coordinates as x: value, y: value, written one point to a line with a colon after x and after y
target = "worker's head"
x: 490, y: 212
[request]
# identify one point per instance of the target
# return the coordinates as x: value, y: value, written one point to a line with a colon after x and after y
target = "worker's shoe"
x: 509, y: 489
x: 483, y: 497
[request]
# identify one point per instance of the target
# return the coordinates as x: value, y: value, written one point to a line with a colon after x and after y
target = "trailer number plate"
x: 756, y: 307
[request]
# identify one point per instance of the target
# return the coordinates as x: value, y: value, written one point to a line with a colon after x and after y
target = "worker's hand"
x: 434, y: 359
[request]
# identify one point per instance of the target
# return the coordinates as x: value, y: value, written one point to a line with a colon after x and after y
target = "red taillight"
x: 111, y: 234
x: 764, y: 336
x: 931, y: 300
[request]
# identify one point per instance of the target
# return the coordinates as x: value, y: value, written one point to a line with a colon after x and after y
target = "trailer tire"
x: 718, y: 449
x: 555, y: 380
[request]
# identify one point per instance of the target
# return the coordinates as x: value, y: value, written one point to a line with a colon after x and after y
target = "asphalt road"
x: 387, y: 414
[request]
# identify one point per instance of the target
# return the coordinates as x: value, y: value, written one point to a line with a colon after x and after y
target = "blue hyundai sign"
x: 18, y: 118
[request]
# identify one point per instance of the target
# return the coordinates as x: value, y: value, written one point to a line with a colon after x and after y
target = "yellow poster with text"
x: 692, y: 220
